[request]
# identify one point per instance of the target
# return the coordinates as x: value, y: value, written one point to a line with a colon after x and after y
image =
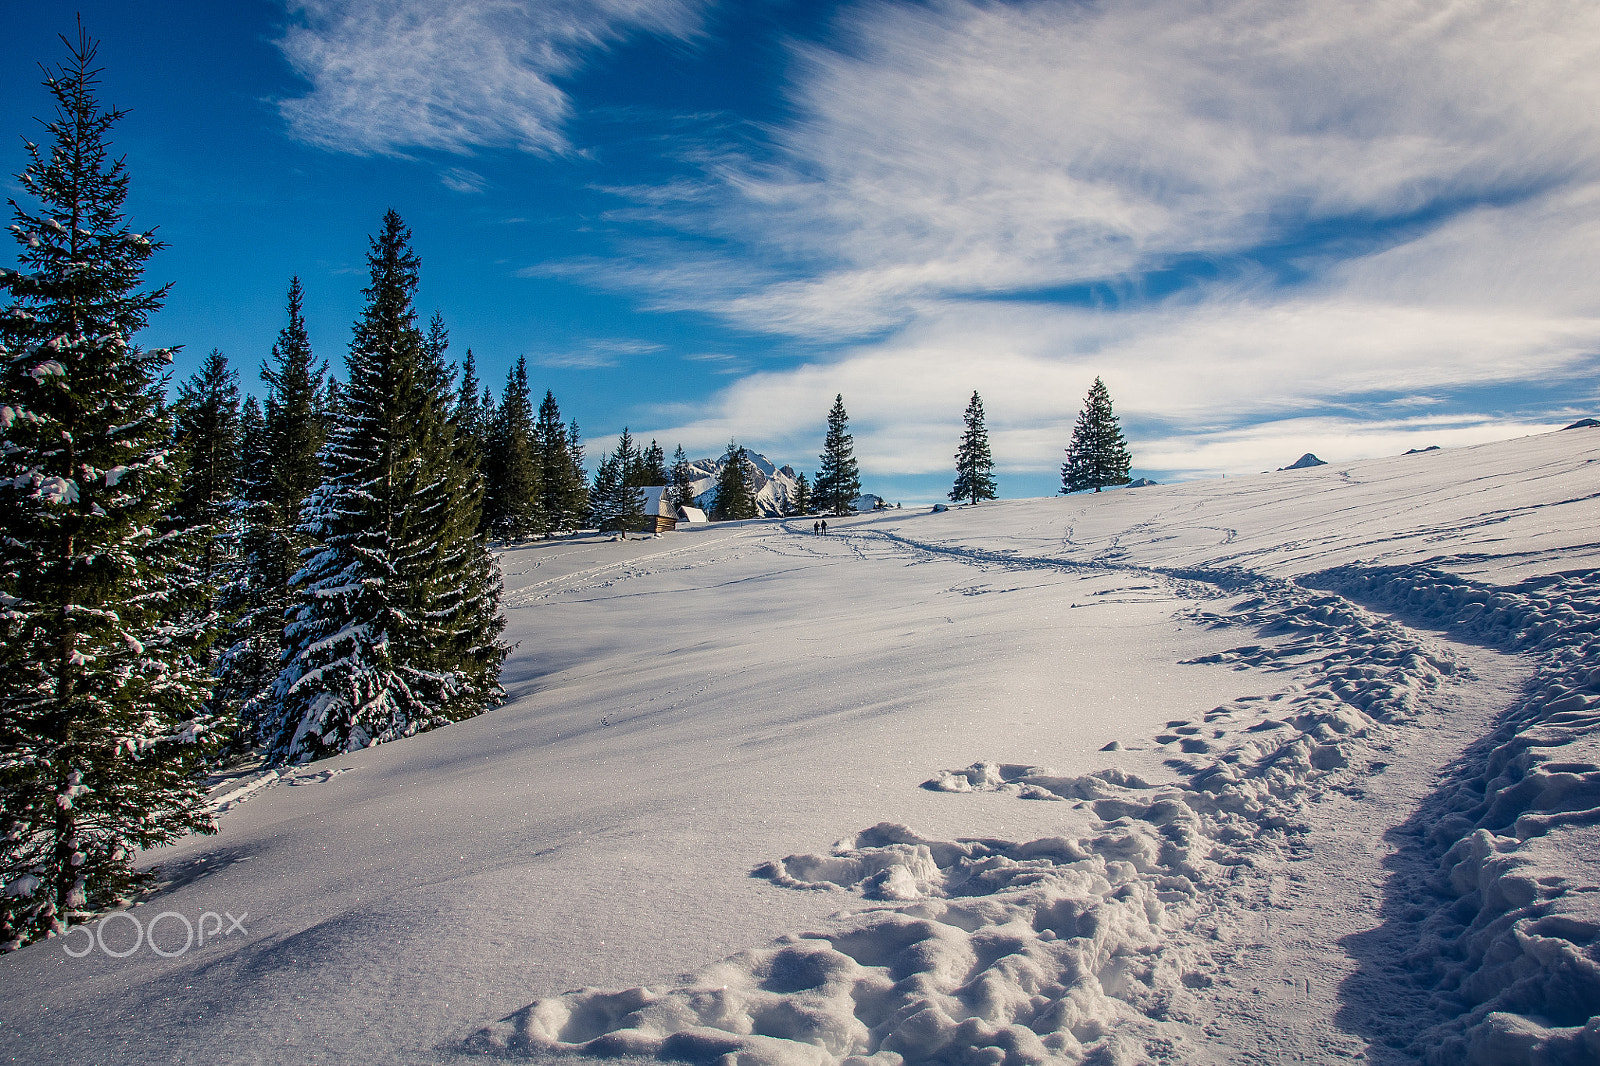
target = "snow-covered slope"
x: 773, y: 486
x: 1299, y: 766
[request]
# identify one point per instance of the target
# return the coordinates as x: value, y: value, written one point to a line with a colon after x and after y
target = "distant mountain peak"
x: 773, y: 486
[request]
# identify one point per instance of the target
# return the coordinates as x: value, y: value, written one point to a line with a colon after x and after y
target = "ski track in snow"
x: 1108, y: 944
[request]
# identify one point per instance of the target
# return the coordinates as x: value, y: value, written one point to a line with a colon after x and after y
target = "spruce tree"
x: 512, y: 464
x: 974, y: 464
x: 472, y: 423
x: 734, y: 498
x: 395, y: 624
x: 838, y: 480
x: 206, y: 431
x: 102, y: 734
x: 561, y: 485
x: 652, y: 470
x: 801, y: 503
x: 252, y: 645
x: 615, y: 505
x: 281, y: 471
x: 627, y: 457
x: 682, y: 480
x: 580, y: 479
x: 1098, y: 456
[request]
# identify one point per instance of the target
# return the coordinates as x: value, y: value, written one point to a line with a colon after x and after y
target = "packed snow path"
x: 692, y: 709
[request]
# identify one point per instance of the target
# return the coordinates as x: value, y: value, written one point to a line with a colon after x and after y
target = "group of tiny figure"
x: 820, y: 526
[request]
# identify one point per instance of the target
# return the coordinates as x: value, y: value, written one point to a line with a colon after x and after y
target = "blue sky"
x: 1351, y: 227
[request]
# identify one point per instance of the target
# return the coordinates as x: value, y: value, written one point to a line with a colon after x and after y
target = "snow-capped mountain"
x: 773, y: 486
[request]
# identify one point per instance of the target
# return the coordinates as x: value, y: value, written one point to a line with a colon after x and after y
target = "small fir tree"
x: 682, y: 479
x: 838, y: 483
x: 734, y: 498
x: 512, y: 465
x: 471, y: 418
x: 252, y: 645
x: 103, y: 737
x: 652, y: 470
x: 617, y: 507
x: 974, y: 464
x: 561, y: 485
x: 580, y: 479
x: 396, y: 621
x: 627, y: 457
x: 206, y: 431
x: 801, y: 504
x: 1098, y: 456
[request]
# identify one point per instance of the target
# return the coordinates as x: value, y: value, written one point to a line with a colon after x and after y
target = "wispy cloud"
x: 720, y: 362
x: 964, y: 148
x: 1434, y: 167
x: 594, y: 354
x: 460, y: 179
x: 388, y: 75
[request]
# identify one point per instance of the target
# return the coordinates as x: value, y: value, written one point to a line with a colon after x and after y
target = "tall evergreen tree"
x: 469, y: 402
x: 801, y: 503
x: 627, y: 457
x: 682, y: 480
x: 102, y: 733
x: 580, y: 479
x: 206, y: 431
x: 974, y: 464
x: 252, y: 649
x: 561, y: 484
x: 395, y: 625
x: 615, y: 505
x: 652, y: 466
x: 838, y: 483
x: 512, y: 464
x: 436, y: 346
x: 1098, y: 456
x: 734, y: 498
x: 281, y: 471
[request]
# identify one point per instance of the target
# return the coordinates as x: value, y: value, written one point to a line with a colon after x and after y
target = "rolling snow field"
x: 1296, y: 767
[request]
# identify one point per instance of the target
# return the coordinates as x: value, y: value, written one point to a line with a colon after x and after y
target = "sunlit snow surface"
x: 1349, y: 806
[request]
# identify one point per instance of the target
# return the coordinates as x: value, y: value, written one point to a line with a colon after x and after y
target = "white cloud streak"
x: 389, y: 75
x: 961, y: 149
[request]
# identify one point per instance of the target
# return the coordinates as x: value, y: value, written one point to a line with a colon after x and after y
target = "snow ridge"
x: 1063, y: 949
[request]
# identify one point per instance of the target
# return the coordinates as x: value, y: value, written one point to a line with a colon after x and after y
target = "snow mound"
x: 1061, y: 949
x: 1006, y: 953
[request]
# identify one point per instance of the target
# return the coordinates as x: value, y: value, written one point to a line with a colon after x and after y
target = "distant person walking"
x: 815, y: 526
x: 824, y: 525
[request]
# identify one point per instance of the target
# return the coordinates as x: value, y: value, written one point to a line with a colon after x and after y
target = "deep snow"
x: 1348, y: 806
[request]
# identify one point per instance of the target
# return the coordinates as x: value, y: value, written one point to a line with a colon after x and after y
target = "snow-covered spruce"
x: 1053, y: 950
x: 102, y: 735
x: 1511, y: 945
x: 279, y: 470
x: 396, y: 624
